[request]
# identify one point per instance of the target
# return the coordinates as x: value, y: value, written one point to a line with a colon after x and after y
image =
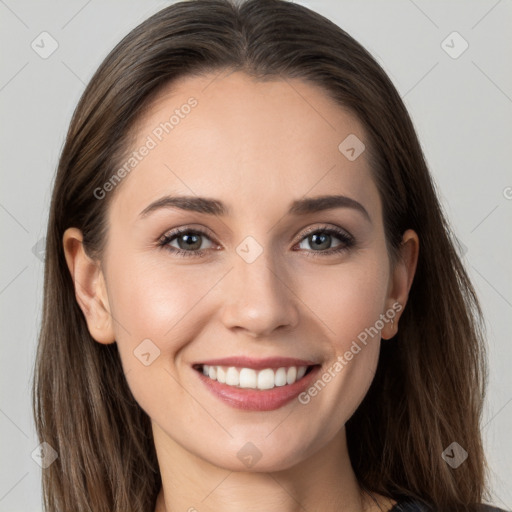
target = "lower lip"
x: 258, y: 399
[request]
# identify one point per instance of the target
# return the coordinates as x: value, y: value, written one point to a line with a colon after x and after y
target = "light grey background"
x: 461, y: 107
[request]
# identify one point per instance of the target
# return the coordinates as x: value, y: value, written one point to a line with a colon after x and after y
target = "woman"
x: 252, y: 297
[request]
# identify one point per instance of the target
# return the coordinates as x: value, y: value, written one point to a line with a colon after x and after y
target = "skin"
x: 255, y: 146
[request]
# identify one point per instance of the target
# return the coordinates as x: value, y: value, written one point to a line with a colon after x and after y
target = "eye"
x: 322, y: 241
x: 326, y: 240
x: 186, y: 242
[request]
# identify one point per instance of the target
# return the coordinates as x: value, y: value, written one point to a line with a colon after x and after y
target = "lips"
x: 256, y: 384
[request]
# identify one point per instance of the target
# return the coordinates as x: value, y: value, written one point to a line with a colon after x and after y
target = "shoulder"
x: 418, y: 506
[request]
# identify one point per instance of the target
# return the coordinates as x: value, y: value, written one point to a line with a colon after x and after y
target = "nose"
x: 258, y: 298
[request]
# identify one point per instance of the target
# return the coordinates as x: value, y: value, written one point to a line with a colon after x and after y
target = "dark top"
x: 416, y: 506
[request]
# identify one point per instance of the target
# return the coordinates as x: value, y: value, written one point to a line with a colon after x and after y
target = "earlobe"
x: 90, y: 287
x: 401, y: 280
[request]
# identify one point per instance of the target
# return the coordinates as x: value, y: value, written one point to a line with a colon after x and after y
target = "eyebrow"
x: 214, y: 207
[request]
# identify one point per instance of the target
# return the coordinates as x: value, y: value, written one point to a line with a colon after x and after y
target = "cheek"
x: 155, y: 307
x: 348, y: 302
x: 152, y: 299
x: 347, y: 298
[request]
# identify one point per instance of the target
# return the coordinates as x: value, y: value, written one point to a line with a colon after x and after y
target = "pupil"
x: 324, y: 244
x: 190, y: 241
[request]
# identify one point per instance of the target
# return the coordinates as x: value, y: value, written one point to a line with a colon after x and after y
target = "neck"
x: 324, y: 481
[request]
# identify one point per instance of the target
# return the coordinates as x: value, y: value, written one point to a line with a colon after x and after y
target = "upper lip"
x: 257, y: 364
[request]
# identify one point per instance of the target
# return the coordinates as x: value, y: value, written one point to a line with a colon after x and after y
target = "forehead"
x: 243, y: 141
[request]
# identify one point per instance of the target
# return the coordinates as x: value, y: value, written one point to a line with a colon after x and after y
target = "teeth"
x: 291, y: 375
x: 221, y: 374
x: 232, y: 377
x: 280, y: 377
x: 248, y: 378
x: 266, y: 379
x: 253, y: 379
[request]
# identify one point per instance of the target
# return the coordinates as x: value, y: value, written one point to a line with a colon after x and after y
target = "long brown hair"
x: 429, y: 386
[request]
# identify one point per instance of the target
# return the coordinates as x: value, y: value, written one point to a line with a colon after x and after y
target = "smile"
x: 256, y: 384
x: 250, y: 378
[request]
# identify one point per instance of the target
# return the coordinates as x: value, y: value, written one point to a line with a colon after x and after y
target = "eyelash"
x: 347, y: 241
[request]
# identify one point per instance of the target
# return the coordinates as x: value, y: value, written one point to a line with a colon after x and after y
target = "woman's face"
x: 257, y: 291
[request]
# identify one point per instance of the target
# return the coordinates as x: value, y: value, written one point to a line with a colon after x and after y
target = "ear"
x: 401, y: 279
x: 90, y: 287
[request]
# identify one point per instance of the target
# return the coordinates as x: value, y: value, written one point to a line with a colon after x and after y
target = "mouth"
x: 256, y: 385
x: 250, y: 378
